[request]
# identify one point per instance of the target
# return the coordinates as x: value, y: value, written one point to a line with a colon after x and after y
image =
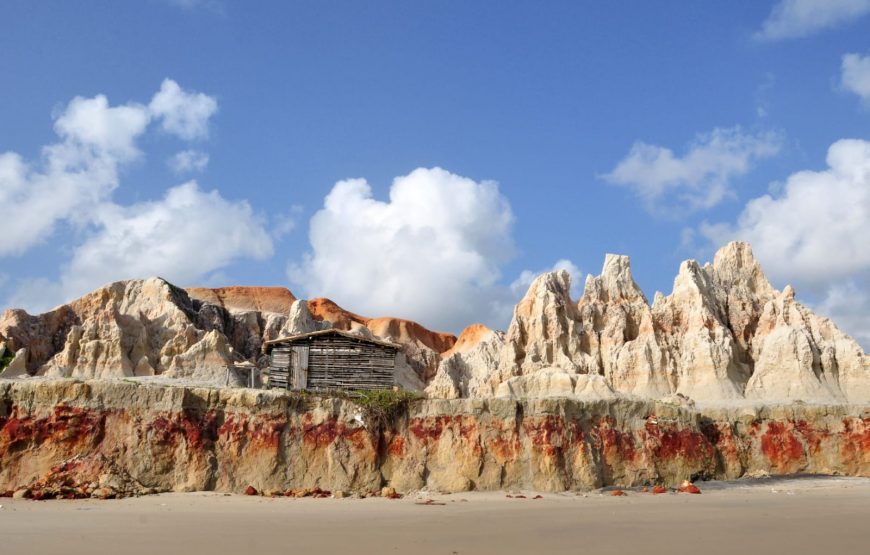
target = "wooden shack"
x: 331, y: 359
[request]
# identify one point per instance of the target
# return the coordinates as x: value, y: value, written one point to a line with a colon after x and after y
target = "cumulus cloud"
x: 432, y: 252
x: 181, y: 237
x: 800, y: 18
x: 855, y: 76
x: 182, y: 113
x: 848, y: 305
x: 520, y: 285
x: 74, y: 175
x: 814, y: 233
x: 700, y: 178
x: 185, y: 236
x: 81, y: 170
x: 188, y: 161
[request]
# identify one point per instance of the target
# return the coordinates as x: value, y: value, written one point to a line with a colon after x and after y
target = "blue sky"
x: 640, y: 128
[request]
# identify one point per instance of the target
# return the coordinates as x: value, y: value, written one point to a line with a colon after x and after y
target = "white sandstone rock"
x: 17, y: 368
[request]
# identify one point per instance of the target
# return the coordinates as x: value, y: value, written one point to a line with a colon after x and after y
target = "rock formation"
x: 150, y: 327
x: 723, y: 335
x: 619, y: 333
x: 466, y: 369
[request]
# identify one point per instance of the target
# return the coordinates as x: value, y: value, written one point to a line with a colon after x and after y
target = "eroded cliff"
x: 71, y: 438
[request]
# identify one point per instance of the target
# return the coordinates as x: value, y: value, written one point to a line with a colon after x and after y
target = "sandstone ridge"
x: 724, y: 335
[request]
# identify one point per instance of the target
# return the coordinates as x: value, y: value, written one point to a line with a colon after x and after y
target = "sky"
x: 427, y: 159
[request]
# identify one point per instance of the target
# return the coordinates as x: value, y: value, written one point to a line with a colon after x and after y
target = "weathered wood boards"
x: 331, y: 359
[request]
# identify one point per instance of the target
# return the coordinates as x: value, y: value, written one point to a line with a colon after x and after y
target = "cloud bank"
x: 814, y: 233
x: 183, y: 236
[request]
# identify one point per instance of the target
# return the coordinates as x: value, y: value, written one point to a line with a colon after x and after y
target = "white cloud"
x: 111, y: 130
x: 848, y: 306
x: 283, y: 223
x: 81, y: 170
x: 520, y: 285
x: 801, y: 18
x: 182, y: 238
x: 814, y: 233
x: 817, y: 229
x: 856, y: 75
x: 186, y: 236
x: 182, y: 113
x: 700, y: 178
x: 188, y: 161
x: 431, y: 253
x: 75, y: 174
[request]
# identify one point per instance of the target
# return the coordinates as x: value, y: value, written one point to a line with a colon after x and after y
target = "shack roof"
x: 267, y: 346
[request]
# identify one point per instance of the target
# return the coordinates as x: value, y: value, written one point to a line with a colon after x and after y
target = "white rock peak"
x: 723, y: 335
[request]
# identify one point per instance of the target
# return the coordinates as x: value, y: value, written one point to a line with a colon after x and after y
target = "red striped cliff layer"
x: 66, y: 438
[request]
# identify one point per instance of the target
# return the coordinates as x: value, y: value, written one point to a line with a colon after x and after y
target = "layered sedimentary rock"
x: 723, y: 335
x: 73, y: 438
x: 150, y: 327
x: 133, y: 328
x: 466, y: 369
x: 619, y: 333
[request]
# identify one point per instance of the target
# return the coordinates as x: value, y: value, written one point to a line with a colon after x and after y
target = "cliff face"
x: 723, y: 335
x: 72, y: 438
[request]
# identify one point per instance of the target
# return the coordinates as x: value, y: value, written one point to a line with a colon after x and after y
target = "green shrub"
x: 6, y: 360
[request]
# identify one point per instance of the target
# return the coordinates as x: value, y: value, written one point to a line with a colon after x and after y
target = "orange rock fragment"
x: 688, y: 487
x: 617, y: 493
x: 250, y: 490
x: 659, y: 489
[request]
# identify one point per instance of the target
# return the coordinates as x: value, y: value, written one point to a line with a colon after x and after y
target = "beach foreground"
x: 796, y: 515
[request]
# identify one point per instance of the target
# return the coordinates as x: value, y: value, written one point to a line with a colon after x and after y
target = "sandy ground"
x: 808, y: 515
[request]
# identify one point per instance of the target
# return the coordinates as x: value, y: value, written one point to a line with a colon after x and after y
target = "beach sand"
x: 794, y: 516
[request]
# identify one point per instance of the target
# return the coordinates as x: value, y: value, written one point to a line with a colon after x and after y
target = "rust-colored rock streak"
x: 69, y: 438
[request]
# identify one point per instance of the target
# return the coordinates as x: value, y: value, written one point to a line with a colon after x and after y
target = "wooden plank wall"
x: 338, y: 362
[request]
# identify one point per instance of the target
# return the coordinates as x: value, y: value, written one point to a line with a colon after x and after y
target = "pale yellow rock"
x: 619, y: 332
x: 467, y: 372
x: 546, y: 382
x: 556, y: 382
x: 17, y: 368
x: 545, y: 330
x: 700, y: 343
x: 723, y: 335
